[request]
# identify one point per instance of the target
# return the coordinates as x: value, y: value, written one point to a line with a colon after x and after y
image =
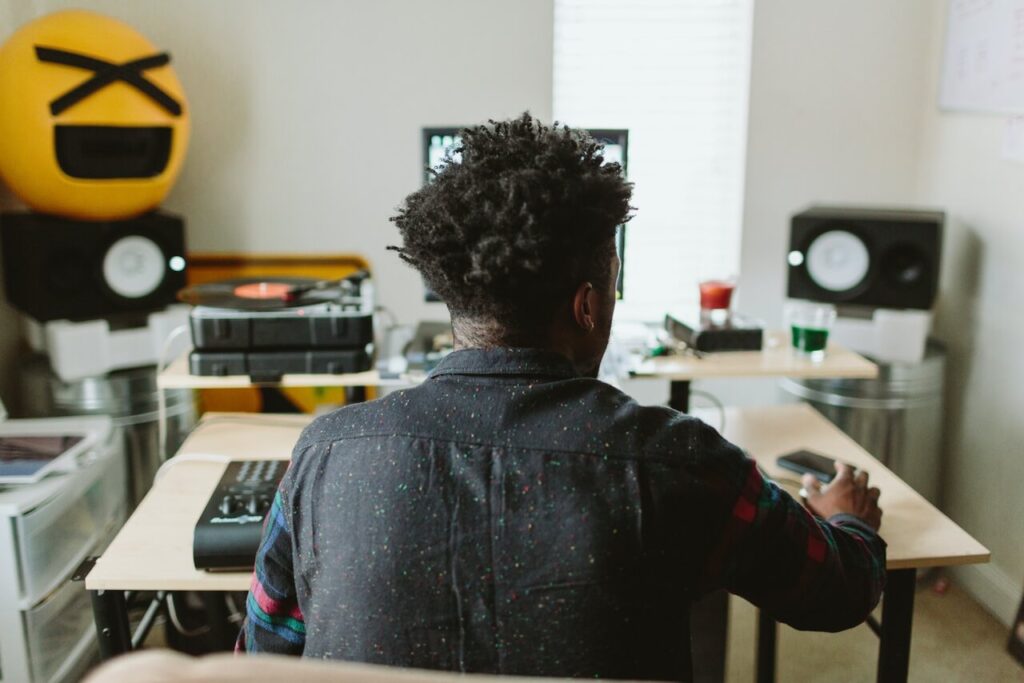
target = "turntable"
x: 272, y: 326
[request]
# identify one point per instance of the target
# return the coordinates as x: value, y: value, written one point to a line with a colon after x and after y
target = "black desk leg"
x: 223, y: 633
x: 897, y: 618
x: 110, y: 612
x: 355, y: 395
x: 709, y: 616
x: 679, y: 395
x: 709, y: 633
x: 767, y: 633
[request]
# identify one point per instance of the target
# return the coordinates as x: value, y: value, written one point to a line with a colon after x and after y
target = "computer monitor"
x: 439, y: 142
x: 616, y: 150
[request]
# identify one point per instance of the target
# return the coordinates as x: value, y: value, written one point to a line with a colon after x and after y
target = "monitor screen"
x: 439, y: 142
x: 616, y: 150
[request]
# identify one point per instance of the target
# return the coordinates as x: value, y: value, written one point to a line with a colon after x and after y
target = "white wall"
x: 307, y: 116
x: 843, y: 109
x: 835, y: 106
x: 978, y: 317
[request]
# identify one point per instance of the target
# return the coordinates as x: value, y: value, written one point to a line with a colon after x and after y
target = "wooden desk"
x: 177, y: 376
x: 776, y: 359
x: 154, y: 549
x: 918, y: 535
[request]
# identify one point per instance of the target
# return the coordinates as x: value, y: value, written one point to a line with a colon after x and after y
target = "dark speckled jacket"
x: 509, y: 516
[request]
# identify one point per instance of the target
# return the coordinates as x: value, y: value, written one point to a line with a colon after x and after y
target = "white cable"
x: 717, y: 403
x: 191, y: 457
x: 172, y: 613
x: 391, y: 316
x: 161, y: 400
x: 236, y: 616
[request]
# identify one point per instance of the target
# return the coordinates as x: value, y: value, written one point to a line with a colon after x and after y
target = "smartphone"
x: 808, y: 462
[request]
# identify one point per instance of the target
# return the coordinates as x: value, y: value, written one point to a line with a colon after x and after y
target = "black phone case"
x: 807, y: 462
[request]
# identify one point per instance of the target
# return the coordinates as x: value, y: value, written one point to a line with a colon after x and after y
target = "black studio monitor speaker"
x: 59, y: 268
x: 865, y: 257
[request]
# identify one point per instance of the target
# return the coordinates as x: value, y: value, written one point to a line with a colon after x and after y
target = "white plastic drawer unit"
x: 46, y: 530
x: 58, y: 631
x: 55, y: 538
x: 55, y: 640
x: 51, y: 526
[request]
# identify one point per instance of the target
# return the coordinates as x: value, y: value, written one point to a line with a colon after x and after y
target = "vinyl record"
x: 258, y: 294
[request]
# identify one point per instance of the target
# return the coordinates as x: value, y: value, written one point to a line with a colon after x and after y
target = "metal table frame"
x: 893, y: 632
x: 110, y: 613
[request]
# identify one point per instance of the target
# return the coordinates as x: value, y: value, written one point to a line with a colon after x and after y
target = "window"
x: 676, y: 74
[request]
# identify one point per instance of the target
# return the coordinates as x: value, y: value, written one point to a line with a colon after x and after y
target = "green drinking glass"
x: 809, y: 324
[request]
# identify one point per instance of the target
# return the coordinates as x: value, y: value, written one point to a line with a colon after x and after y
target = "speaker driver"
x: 862, y: 256
x: 905, y: 266
x: 133, y: 267
x: 838, y: 261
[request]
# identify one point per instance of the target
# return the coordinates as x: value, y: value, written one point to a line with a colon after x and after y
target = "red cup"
x: 716, y: 294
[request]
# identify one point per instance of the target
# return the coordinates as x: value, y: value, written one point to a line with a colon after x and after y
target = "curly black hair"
x: 511, y: 228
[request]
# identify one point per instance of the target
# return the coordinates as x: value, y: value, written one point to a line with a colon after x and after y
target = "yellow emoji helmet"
x: 93, y: 120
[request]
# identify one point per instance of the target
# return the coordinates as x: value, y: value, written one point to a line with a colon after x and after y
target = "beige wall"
x: 307, y: 116
x: 979, y: 318
x: 835, y: 105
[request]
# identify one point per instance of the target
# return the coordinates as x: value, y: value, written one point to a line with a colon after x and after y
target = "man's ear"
x: 583, y: 306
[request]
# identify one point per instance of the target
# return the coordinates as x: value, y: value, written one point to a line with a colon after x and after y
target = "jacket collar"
x: 506, y: 361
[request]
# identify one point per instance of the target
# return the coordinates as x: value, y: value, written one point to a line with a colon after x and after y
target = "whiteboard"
x: 983, y: 62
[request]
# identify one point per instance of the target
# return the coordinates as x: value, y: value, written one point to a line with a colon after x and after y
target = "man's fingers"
x: 861, y: 480
x: 843, y: 471
x: 874, y: 493
x: 811, y: 484
x: 876, y: 518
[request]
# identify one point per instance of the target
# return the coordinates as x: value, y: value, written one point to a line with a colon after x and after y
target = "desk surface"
x: 177, y: 376
x: 154, y: 549
x: 776, y: 360
x: 918, y: 534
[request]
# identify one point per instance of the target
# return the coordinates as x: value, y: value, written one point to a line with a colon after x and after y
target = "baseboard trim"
x: 991, y: 587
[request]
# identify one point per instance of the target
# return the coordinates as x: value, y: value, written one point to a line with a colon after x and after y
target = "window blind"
x: 675, y: 73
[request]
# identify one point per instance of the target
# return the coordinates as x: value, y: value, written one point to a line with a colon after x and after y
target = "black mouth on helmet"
x: 110, y: 152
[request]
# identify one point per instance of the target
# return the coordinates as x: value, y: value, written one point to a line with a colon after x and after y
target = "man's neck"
x: 475, y: 333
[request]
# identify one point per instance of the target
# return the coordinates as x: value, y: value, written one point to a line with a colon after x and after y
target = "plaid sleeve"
x: 804, y: 571
x: 273, y: 621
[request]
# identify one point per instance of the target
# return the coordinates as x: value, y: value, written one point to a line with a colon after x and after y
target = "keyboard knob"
x: 252, y: 505
x: 227, y: 505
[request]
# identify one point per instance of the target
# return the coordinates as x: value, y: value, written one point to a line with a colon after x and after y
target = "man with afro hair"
x: 513, y: 514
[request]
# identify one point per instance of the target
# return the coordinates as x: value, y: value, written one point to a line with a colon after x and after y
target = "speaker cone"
x: 134, y: 267
x: 838, y: 261
x: 905, y: 266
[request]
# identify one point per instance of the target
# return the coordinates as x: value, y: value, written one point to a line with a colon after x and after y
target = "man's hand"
x: 846, y: 494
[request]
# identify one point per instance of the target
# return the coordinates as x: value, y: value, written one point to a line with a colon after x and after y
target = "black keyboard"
x: 228, y: 532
